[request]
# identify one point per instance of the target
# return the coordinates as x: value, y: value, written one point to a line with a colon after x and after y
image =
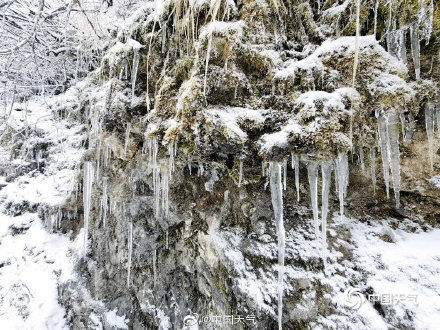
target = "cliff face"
x: 212, y: 127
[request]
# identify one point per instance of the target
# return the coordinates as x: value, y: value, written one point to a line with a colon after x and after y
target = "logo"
x: 190, y: 319
x: 354, y: 298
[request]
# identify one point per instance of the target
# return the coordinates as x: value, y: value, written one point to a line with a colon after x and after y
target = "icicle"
x: 171, y: 154
x: 376, y: 7
x: 384, y: 150
x: 373, y: 168
x: 326, y: 171
x: 134, y: 71
x: 276, y: 190
x: 342, y: 179
x: 393, y: 133
x: 356, y: 45
x: 127, y: 138
x: 87, y: 196
x: 104, y: 204
x: 263, y: 167
x: 285, y: 174
x: 166, y: 239
x: 154, y: 266
x: 415, y: 49
x: 165, y: 194
x: 429, y: 123
x: 362, y: 159
x: 295, y: 166
x: 208, y: 51
x: 130, y: 251
x: 437, y: 115
x: 240, y: 173
x: 189, y: 167
x: 312, y: 171
x: 396, y: 44
x: 201, y: 169
x: 38, y: 158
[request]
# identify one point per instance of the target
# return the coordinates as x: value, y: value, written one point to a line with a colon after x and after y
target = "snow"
x: 35, y: 261
x: 411, y: 265
x: 222, y: 28
x: 315, y: 110
x: 231, y: 119
x: 344, y: 46
x: 114, y: 320
x: 435, y: 180
x: 279, y: 139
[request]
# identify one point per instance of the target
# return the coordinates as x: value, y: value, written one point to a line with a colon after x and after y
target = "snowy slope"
x: 34, y: 259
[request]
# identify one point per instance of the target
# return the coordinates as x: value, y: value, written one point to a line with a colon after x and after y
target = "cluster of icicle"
x: 161, y: 176
x: 389, y: 135
x: 432, y: 118
x: 418, y: 30
x: 277, y: 172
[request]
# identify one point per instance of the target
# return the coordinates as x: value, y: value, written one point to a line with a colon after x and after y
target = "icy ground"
x: 35, y: 258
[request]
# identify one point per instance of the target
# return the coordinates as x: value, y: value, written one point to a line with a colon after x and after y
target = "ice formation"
x: 127, y: 138
x: 393, y: 134
x: 326, y: 171
x: 295, y: 167
x: 130, y: 251
x: 87, y: 199
x: 388, y: 126
x: 276, y: 190
x: 384, y: 150
x: 342, y: 177
x: 373, y: 168
x: 104, y: 201
x: 240, y: 173
x: 415, y: 48
x: 312, y: 171
x: 429, y: 123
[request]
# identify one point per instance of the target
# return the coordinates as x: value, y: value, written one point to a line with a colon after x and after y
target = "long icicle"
x: 373, y: 168
x: 342, y: 179
x: 326, y: 171
x: 429, y: 123
x: 312, y: 171
x: 130, y: 251
x: 295, y: 166
x: 87, y: 196
x: 384, y: 150
x: 276, y: 189
x: 393, y: 133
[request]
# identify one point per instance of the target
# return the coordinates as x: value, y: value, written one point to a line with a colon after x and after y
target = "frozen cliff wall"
x: 221, y: 136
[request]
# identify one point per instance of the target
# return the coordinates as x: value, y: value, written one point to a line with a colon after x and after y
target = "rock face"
x: 189, y: 106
